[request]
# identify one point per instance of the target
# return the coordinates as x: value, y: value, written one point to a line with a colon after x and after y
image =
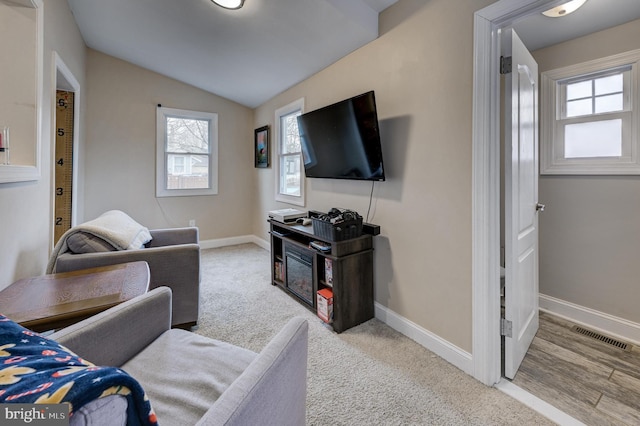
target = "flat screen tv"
x: 342, y: 141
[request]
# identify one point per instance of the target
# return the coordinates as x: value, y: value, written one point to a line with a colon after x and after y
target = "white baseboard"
x: 243, y: 239
x: 423, y: 337
x: 599, y: 321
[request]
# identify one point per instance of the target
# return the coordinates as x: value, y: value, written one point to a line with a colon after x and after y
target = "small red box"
x: 325, y: 304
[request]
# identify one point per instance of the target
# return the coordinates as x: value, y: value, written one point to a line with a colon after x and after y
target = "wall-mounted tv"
x: 342, y: 141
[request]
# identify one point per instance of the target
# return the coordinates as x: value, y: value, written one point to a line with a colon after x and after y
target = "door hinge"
x: 506, y: 327
x: 505, y: 64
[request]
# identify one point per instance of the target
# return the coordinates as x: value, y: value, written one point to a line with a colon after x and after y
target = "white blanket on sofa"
x: 114, y: 227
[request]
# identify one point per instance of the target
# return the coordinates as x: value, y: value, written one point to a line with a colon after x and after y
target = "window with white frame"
x: 589, y: 117
x: 289, y: 168
x: 187, y: 152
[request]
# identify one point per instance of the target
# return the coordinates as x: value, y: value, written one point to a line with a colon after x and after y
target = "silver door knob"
x: 540, y: 207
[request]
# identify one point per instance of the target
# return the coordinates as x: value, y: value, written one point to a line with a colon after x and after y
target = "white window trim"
x: 552, y: 162
x: 297, y: 105
x: 161, y: 159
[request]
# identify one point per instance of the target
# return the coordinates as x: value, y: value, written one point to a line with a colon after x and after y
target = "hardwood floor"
x: 593, y: 381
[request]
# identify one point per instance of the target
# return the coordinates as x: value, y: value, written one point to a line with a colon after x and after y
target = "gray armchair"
x: 191, y: 379
x: 173, y: 256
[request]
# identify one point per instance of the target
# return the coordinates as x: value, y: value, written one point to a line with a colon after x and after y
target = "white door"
x: 521, y: 202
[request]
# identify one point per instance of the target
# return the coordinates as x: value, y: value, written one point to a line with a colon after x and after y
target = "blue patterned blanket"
x: 34, y: 369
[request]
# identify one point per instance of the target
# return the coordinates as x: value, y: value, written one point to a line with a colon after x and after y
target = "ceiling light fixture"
x: 229, y: 4
x: 564, y: 9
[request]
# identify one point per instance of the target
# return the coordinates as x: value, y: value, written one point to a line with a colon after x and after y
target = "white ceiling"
x: 252, y: 54
x: 539, y: 31
x: 247, y: 55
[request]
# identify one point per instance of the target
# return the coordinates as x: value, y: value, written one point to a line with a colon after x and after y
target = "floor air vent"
x: 608, y: 340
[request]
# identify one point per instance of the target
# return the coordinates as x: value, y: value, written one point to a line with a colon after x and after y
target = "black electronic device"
x: 371, y: 229
x: 319, y: 245
x: 342, y: 140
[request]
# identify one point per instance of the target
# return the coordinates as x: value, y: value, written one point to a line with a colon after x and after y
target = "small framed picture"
x: 261, y: 143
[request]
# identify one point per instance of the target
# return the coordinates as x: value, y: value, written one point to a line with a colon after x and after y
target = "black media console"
x: 301, y: 269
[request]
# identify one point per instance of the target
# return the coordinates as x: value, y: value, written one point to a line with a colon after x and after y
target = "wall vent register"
x: 601, y: 337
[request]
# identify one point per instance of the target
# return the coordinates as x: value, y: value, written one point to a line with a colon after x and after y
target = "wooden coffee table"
x: 50, y: 302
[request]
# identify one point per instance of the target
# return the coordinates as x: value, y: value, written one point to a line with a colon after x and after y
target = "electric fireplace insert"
x: 299, y: 273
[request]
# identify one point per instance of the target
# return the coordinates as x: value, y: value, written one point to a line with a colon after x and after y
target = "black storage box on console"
x: 339, y: 231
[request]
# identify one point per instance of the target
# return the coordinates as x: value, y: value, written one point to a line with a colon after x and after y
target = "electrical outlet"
x: 192, y: 222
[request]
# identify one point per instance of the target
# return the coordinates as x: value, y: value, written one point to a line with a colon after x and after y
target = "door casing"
x: 63, y: 79
x: 486, y: 180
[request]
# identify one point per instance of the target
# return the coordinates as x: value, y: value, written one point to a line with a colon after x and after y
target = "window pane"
x: 187, y: 171
x: 290, y: 142
x: 611, y: 84
x: 290, y: 175
x: 595, y: 139
x: 609, y: 103
x: 582, y: 89
x: 177, y: 166
x: 581, y: 107
x: 187, y: 135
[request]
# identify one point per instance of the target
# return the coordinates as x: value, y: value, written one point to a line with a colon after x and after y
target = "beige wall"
x: 18, y: 45
x: 421, y: 70
x: 590, y: 230
x: 121, y: 151
x: 25, y: 208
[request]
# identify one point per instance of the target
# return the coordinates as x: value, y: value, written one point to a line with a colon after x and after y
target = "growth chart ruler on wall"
x: 63, y: 163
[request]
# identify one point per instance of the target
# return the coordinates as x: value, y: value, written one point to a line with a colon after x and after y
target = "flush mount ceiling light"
x: 564, y: 9
x: 229, y: 4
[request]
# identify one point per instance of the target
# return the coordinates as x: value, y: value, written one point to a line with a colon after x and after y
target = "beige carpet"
x: 368, y: 375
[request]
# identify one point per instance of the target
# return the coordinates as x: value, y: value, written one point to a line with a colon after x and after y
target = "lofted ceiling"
x: 252, y: 54
x: 247, y: 55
